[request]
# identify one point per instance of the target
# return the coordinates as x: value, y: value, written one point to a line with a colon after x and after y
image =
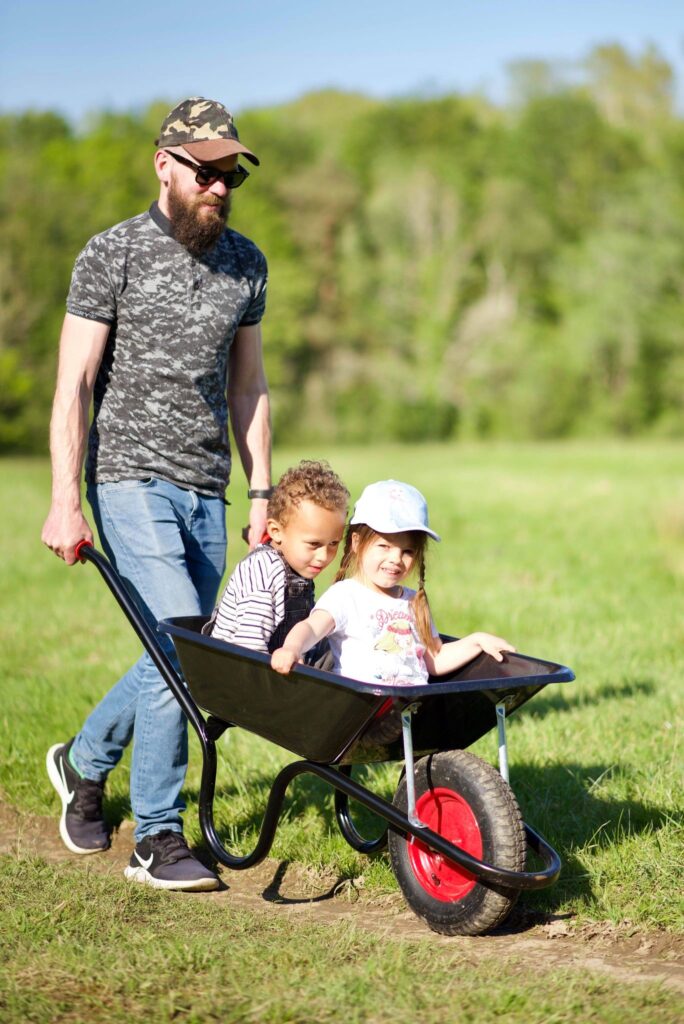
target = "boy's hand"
x: 283, y: 660
x: 493, y: 645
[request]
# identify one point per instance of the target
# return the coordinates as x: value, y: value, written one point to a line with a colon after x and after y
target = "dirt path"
x: 628, y: 956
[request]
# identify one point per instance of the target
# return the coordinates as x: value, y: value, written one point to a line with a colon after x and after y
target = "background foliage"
x: 440, y: 266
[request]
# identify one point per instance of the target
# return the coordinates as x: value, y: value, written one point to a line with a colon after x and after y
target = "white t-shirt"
x: 375, y: 637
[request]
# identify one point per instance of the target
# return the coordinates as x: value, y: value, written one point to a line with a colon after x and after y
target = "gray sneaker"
x: 164, y: 861
x: 82, y: 827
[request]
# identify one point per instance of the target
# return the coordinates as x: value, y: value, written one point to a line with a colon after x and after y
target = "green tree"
x: 438, y: 266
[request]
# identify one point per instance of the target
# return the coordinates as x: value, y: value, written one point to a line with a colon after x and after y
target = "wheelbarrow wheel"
x: 466, y: 801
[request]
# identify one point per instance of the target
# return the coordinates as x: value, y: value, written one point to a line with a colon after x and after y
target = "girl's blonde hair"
x: 351, y: 561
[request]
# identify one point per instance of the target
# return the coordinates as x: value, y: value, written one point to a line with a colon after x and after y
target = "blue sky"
x: 74, y: 56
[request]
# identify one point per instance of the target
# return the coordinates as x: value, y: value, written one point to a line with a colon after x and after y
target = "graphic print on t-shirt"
x: 399, y: 656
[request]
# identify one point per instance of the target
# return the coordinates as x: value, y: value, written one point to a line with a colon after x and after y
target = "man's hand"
x: 256, y: 528
x: 63, y: 530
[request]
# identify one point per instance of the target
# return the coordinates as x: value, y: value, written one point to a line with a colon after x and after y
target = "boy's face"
x: 310, y: 539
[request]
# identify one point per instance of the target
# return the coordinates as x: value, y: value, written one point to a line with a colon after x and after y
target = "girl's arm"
x: 457, y: 653
x: 300, y: 639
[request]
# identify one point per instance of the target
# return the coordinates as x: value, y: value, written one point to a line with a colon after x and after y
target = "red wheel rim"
x: 448, y: 814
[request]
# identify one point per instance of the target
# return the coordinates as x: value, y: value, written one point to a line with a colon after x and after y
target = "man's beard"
x: 197, y: 229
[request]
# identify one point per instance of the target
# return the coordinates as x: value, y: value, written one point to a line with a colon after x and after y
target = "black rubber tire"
x: 502, y: 833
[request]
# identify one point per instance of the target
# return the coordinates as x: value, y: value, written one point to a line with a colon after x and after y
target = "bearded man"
x: 163, y: 331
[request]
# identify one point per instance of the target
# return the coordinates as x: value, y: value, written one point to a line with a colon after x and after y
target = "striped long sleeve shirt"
x: 253, y: 602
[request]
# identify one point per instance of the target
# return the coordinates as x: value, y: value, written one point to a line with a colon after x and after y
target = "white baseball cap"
x: 392, y: 507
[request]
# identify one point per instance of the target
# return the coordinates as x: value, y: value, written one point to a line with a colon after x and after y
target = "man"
x: 163, y: 330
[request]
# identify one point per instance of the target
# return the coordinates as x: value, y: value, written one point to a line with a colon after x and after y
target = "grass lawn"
x: 573, y: 552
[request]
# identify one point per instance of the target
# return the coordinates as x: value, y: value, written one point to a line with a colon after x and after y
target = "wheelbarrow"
x: 456, y: 838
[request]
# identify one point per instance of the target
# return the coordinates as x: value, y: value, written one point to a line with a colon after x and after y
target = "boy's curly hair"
x: 309, y: 481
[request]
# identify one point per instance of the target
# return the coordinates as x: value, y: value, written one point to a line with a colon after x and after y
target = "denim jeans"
x: 169, y: 546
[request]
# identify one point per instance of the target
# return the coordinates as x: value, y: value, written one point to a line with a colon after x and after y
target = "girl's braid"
x: 347, y: 558
x: 421, y: 606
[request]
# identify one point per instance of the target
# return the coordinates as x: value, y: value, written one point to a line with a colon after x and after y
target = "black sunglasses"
x: 208, y: 175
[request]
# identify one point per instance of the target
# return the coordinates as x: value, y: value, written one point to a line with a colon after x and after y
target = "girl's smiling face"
x: 385, y: 560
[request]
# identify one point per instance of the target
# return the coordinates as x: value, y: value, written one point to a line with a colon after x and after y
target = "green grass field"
x: 573, y: 552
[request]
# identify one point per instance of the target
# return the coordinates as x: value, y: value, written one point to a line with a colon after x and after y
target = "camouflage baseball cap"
x: 204, y: 128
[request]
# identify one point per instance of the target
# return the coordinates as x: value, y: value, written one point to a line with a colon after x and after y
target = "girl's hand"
x: 493, y: 645
x: 284, y: 659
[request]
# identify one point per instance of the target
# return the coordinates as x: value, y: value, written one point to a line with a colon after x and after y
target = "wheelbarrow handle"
x: 148, y: 636
x: 78, y: 550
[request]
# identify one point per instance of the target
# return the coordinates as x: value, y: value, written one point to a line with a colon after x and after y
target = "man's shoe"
x: 82, y: 827
x: 164, y: 861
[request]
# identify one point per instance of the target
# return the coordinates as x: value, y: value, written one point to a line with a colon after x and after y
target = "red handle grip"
x: 79, y: 547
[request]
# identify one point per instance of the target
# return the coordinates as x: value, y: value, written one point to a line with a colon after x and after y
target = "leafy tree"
x: 630, y: 91
x: 439, y: 267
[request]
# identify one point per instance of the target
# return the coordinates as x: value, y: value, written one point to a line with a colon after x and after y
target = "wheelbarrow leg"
x: 411, y: 812
x: 347, y: 826
x: 503, y: 749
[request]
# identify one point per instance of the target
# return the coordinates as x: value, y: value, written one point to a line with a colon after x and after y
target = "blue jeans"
x: 169, y: 546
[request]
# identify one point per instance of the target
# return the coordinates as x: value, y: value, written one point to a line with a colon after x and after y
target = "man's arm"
x: 81, y: 348
x: 250, y: 415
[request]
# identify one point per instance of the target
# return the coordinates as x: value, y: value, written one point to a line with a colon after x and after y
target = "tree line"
x: 440, y: 266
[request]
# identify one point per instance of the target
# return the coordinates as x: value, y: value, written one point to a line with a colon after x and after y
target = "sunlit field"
x: 573, y: 552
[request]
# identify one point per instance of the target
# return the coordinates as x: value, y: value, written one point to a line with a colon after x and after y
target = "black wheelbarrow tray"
x: 456, y: 837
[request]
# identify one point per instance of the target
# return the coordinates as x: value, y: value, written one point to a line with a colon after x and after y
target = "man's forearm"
x: 249, y: 405
x: 81, y: 347
x: 251, y: 421
x: 82, y: 343
x: 68, y: 432
x: 66, y: 524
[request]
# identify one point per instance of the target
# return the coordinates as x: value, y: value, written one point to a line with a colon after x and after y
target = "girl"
x: 379, y: 630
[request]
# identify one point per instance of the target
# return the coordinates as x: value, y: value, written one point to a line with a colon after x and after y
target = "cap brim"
x: 216, y: 149
x: 390, y: 528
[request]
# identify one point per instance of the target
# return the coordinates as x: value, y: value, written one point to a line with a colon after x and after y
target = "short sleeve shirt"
x: 375, y: 638
x: 160, y: 406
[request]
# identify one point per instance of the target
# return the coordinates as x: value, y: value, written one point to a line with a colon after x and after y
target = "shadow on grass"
x: 559, y: 801
x: 555, y: 699
x: 272, y: 893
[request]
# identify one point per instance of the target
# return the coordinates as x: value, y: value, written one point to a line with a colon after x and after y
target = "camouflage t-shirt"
x: 160, y: 407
